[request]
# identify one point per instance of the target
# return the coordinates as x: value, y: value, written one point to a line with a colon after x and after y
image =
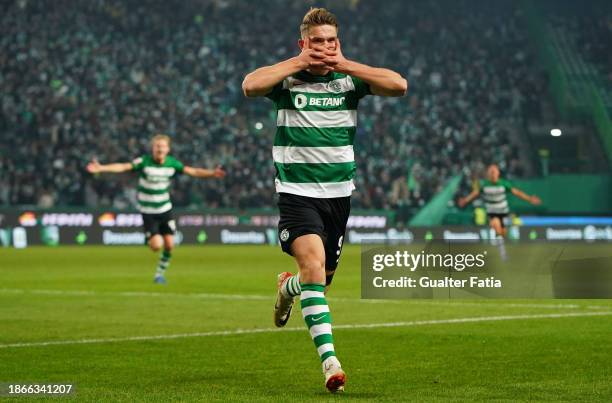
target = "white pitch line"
x: 267, y: 298
x: 450, y: 302
x: 596, y: 307
x: 295, y: 329
x: 134, y: 294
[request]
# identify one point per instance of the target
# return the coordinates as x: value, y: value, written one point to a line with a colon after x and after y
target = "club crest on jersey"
x: 284, y: 235
x: 335, y: 86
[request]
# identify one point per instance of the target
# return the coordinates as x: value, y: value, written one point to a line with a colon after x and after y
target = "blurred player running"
x: 494, y: 191
x: 316, y: 95
x: 155, y: 172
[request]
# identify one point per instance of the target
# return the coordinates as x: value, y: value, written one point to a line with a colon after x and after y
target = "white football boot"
x: 283, y: 305
x: 335, y: 378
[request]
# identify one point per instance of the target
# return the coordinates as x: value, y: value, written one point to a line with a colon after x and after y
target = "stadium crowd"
x: 594, y: 41
x: 95, y: 79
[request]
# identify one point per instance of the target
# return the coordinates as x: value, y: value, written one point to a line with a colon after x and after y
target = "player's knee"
x: 155, y: 244
x: 499, y: 229
x: 310, y: 257
x: 312, y: 264
x: 312, y: 268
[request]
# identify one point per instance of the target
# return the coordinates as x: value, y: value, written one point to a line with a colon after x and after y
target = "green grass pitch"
x: 91, y: 316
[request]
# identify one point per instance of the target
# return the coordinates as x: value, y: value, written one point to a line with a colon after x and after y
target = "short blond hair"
x: 315, y: 17
x: 160, y: 136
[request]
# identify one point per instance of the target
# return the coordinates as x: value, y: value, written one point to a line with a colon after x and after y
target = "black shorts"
x: 502, y: 218
x: 158, y: 224
x: 301, y: 215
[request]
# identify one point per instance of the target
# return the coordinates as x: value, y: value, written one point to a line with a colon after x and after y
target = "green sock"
x: 291, y: 287
x: 318, y: 318
x: 164, y: 262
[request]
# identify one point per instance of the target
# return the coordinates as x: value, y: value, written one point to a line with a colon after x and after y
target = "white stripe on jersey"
x: 312, y: 155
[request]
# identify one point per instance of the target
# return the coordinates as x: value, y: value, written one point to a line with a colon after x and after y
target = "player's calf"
x: 162, y: 266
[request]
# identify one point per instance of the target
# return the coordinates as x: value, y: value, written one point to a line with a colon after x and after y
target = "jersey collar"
x: 311, y: 78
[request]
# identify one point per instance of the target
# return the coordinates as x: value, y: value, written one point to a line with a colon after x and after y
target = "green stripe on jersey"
x: 314, y: 137
x: 153, y: 204
x: 316, y: 173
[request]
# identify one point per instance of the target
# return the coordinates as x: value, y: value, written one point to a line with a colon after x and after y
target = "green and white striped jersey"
x: 154, y: 183
x: 316, y: 122
x: 494, y: 195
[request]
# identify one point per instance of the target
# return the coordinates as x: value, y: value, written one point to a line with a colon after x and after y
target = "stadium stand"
x: 96, y: 79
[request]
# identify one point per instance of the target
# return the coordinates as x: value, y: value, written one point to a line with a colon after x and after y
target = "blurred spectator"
x: 83, y: 79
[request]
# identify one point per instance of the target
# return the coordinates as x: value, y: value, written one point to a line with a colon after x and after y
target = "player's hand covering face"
x: 334, y: 58
x: 313, y: 58
x: 321, y: 49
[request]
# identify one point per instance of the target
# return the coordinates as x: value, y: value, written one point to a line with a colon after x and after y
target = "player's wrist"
x: 345, y: 66
x: 298, y: 63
